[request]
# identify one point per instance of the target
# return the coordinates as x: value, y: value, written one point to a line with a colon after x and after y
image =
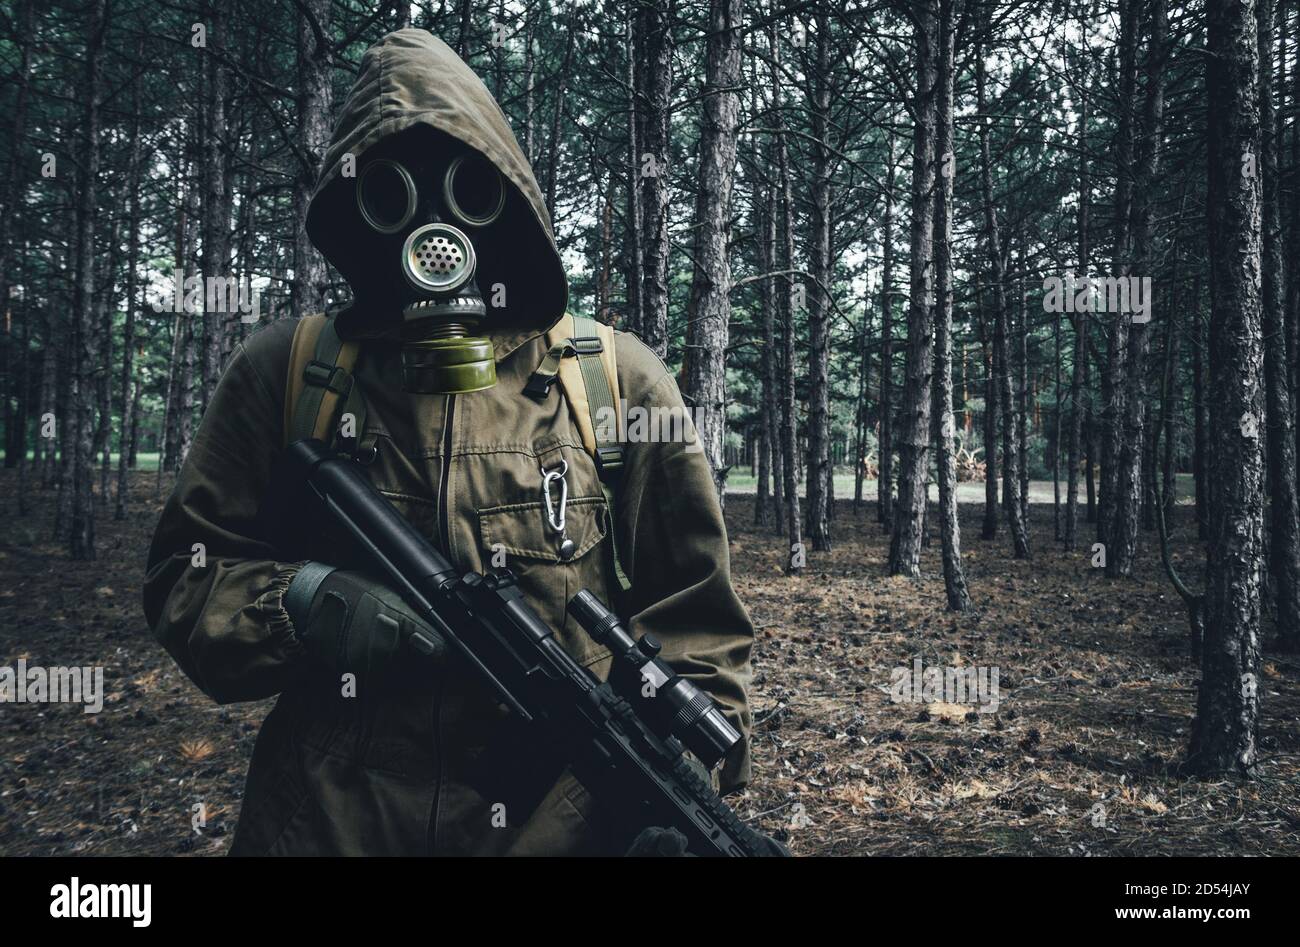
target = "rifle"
x: 624, y: 738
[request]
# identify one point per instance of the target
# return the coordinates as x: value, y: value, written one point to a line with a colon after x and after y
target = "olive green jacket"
x: 428, y: 761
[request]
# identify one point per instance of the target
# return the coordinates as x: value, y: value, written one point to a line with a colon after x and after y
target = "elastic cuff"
x: 302, y: 590
x: 271, y: 604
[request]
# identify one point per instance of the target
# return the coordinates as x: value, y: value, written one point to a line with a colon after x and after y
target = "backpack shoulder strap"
x: 582, y: 358
x: 320, y: 388
x: 589, y: 378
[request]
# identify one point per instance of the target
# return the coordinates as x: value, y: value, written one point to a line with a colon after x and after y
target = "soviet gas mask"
x: 425, y: 210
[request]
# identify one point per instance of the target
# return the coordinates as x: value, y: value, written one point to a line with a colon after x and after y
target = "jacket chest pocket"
x: 518, y: 536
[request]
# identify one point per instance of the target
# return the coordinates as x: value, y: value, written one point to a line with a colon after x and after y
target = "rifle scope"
x: 670, y: 700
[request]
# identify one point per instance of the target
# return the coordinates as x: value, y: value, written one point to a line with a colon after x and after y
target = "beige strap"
x: 300, y: 353
x: 570, y: 375
x: 314, y: 413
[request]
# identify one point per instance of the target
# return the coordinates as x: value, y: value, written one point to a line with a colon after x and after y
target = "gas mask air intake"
x: 423, y: 214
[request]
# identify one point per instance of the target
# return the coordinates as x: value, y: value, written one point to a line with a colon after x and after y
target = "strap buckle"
x: 587, y: 345
x: 539, y: 385
x: 330, y: 377
x: 609, y: 461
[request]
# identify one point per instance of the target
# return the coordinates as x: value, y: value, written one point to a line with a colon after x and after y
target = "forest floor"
x: 1096, y: 694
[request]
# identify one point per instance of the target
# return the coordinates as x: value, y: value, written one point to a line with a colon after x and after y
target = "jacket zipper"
x: 444, y: 535
x: 444, y: 520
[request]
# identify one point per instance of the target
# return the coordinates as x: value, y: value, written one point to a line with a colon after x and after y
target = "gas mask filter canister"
x: 443, y: 308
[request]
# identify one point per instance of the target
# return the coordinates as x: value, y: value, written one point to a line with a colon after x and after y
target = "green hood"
x: 409, y: 78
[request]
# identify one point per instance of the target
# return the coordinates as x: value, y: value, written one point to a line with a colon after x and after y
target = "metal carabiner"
x: 556, y: 520
x: 553, y: 518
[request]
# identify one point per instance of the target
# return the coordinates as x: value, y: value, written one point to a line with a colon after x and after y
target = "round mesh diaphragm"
x: 438, y: 258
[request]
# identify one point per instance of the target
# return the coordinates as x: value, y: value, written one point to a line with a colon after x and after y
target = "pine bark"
x: 789, y: 434
x: 216, y: 210
x: 130, y: 399
x: 86, y: 334
x: 654, y: 99
x: 767, y: 504
x: 1127, y: 482
x: 1079, y: 356
x: 914, y: 421
x: 310, y: 277
x: 991, y: 517
x: 1001, y: 358
x: 820, y: 483
x: 1284, y: 509
x: 954, y: 577
x: 14, y: 184
x: 1113, y: 387
x: 709, y: 311
x: 885, y: 442
x: 634, y: 227
x: 1223, y: 738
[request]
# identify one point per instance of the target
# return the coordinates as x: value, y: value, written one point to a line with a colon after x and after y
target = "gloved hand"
x: 767, y: 846
x: 350, y: 622
x: 658, y: 842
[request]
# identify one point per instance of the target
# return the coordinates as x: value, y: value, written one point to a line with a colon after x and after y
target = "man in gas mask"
x: 429, y: 209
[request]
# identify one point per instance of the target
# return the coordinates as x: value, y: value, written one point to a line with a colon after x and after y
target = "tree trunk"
x: 1284, y: 510
x: 789, y: 435
x: 530, y: 82
x: 767, y: 506
x: 1113, y: 388
x: 633, y: 320
x: 216, y: 212
x: 860, y: 409
x: 1168, y: 423
x: 106, y: 267
x: 310, y: 277
x: 1056, y: 429
x: 189, y: 340
x: 1201, y: 425
x: 1022, y: 388
x: 1223, y: 736
x: 885, y: 442
x: 462, y: 35
x: 127, y: 431
x: 709, y: 310
x: 560, y: 97
x: 991, y: 517
x: 954, y: 578
x: 25, y: 383
x: 1079, y: 357
x: 1127, y: 482
x: 86, y: 335
x: 14, y: 184
x: 820, y: 468
x: 1090, y: 474
x: 50, y: 348
x: 914, y: 426
x: 1293, y: 256
x: 773, y: 356
x: 655, y: 44
x: 1001, y: 359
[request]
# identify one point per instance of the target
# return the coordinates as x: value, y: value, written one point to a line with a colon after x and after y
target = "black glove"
x: 350, y: 622
x: 766, y: 846
x: 657, y: 842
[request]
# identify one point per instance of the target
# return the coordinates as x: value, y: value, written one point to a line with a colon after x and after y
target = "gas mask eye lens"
x: 386, y: 195
x: 474, y: 190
